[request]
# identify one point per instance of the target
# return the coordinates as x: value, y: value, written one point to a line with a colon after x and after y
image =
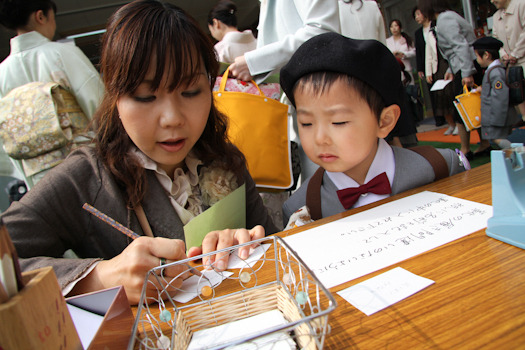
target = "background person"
x: 222, y: 23
x: 361, y: 19
x: 509, y: 27
x: 34, y: 57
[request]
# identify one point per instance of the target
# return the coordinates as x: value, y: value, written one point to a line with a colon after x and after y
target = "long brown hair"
x: 139, y: 34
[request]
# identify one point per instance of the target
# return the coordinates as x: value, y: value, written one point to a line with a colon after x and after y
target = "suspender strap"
x: 436, y: 160
x: 313, y: 194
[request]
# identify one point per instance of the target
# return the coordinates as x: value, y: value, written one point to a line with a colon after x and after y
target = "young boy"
x: 497, y: 117
x: 348, y: 95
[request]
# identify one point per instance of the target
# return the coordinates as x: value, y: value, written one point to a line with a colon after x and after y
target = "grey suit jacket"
x: 455, y: 38
x: 412, y: 170
x: 49, y: 219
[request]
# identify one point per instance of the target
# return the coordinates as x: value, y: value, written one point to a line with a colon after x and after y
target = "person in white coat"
x: 362, y: 19
x: 283, y: 26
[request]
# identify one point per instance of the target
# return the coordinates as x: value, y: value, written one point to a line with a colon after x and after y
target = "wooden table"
x: 477, y: 300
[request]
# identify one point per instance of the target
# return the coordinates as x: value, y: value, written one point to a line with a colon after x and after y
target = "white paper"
x: 243, y: 328
x: 384, y: 290
x: 86, y: 323
x: 192, y: 286
x: 440, y: 84
x: 354, y: 246
x: 255, y: 254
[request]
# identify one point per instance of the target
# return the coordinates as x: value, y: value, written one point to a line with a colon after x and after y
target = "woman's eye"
x: 144, y: 98
x: 191, y: 93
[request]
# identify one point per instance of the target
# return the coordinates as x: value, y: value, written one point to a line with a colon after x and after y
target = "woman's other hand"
x: 217, y: 240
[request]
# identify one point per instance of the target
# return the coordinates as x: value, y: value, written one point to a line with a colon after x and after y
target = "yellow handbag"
x: 468, y: 105
x: 258, y: 126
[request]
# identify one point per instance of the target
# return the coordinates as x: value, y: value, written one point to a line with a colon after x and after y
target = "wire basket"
x: 279, y: 280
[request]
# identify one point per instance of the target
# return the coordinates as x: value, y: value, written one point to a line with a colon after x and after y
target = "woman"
x: 160, y: 154
x: 455, y: 37
x: 431, y: 66
x: 222, y: 23
x: 401, y: 45
x: 35, y: 58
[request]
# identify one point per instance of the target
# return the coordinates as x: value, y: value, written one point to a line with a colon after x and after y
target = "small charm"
x: 206, y: 291
x: 301, y: 298
x: 163, y: 342
x: 165, y: 316
x: 245, y: 277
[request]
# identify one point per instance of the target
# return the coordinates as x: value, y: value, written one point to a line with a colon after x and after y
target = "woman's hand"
x: 217, y: 240
x: 130, y: 267
x: 429, y: 79
x: 239, y: 69
x: 449, y: 76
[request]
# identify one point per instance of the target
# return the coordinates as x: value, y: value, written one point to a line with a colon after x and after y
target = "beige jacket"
x: 509, y: 27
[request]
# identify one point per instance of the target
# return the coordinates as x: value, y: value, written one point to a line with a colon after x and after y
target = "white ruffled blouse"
x: 183, y: 191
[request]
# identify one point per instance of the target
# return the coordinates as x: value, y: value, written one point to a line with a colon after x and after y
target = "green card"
x: 229, y: 212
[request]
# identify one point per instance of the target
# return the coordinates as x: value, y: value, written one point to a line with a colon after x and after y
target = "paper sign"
x: 371, y: 240
x: 255, y: 254
x: 440, y: 84
x: 384, y: 290
x: 229, y: 212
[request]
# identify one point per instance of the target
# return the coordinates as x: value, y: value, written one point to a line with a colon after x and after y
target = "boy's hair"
x: 320, y: 82
x: 494, y: 54
x: 225, y: 11
x: 15, y: 14
x: 144, y: 33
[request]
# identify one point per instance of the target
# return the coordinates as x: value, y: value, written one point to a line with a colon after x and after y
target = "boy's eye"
x: 306, y: 124
x: 339, y: 123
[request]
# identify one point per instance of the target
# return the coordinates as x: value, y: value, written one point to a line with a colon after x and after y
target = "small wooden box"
x: 37, y: 317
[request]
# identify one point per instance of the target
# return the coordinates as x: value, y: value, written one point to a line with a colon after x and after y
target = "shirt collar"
x: 27, y: 41
x: 383, y: 162
x: 494, y: 63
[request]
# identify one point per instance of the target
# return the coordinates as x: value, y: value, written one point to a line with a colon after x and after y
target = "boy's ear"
x: 388, y: 120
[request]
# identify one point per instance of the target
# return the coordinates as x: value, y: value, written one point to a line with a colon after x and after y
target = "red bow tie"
x: 378, y: 185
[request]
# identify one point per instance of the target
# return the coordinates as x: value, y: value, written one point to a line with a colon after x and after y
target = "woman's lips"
x: 172, y: 145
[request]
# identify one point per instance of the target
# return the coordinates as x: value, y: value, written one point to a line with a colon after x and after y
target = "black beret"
x: 487, y: 43
x: 367, y: 60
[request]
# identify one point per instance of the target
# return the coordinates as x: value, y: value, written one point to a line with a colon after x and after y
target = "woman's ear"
x: 388, y: 120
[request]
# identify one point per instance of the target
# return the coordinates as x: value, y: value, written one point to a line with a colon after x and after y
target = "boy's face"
x: 483, y: 61
x: 338, y: 130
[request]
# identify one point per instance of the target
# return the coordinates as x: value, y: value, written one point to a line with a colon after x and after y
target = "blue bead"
x: 165, y: 316
x: 301, y: 298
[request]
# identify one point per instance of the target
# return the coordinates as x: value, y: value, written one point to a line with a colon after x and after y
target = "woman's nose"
x: 171, y: 114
